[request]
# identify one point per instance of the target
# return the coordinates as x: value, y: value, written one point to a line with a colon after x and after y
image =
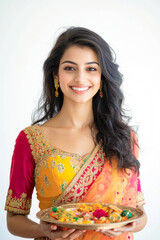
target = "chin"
x: 82, y: 100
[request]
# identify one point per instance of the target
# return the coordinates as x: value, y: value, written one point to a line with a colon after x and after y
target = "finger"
x: 62, y: 234
x: 53, y: 227
x: 45, y: 226
x: 111, y: 233
x: 107, y: 234
x: 126, y: 228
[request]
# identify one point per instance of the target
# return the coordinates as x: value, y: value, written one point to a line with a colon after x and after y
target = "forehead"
x: 80, y: 54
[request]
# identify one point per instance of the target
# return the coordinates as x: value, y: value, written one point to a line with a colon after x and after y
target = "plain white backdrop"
x: 28, y: 30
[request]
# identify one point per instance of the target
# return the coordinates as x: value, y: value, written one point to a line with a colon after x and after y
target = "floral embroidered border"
x: 18, y: 205
x: 40, y: 148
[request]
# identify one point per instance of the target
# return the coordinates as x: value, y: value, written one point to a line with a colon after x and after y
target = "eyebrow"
x: 77, y: 64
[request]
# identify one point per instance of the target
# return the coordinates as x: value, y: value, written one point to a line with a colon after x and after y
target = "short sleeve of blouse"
x: 21, y: 177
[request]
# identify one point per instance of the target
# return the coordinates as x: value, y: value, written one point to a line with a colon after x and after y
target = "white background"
x: 28, y: 29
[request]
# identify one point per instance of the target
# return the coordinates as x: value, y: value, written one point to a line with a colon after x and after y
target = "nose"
x: 80, y: 76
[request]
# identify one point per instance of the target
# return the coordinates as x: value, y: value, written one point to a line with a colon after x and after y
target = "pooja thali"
x: 44, y: 215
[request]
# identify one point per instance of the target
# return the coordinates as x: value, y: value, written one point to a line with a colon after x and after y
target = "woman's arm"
x: 22, y: 226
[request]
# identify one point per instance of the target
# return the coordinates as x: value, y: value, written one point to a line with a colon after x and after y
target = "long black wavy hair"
x: 109, y: 117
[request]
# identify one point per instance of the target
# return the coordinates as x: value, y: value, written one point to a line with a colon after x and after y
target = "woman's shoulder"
x: 27, y: 132
x: 32, y: 132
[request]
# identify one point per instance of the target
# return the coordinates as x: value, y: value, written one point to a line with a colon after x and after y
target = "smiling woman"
x: 79, y: 147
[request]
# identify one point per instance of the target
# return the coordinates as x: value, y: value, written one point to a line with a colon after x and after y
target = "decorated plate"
x: 44, y: 215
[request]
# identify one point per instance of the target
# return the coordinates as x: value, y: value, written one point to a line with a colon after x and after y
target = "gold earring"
x: 56, y: 85
x: 100, y: 90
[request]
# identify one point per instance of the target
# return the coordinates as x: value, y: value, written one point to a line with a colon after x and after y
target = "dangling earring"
x: 100, y: 90
x: 56, y: 85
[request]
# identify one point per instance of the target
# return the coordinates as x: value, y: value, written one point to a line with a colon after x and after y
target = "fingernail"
x: 72, y: 230
x: 53, y: 227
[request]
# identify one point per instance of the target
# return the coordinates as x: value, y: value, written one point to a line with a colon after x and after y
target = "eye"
x: 91, y: 69
x: 69, y: 68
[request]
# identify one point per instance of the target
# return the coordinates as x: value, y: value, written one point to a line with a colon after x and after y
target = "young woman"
x: 80, y: 149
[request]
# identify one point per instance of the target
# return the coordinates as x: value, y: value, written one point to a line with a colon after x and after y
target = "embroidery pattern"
x: 53, y: 164
x: 39, y: 165
x: 63, y: 186
x: 18, y: 205
x: 80, y: 186
x: 46, y: 180
x: 60, y: 167
x: 77, y: 163
x: 40, y: 148
x: 42, y: 191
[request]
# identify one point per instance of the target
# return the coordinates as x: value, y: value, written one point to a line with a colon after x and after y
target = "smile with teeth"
x: 80, y: 88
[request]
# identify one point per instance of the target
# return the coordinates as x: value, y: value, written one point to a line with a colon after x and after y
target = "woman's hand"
x: 131, y: 227
x: 54, y: 233
x: 118, y: 231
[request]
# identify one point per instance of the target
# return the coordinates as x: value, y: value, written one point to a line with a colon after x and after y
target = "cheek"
x: 96, y: 81
x: 63, y: 80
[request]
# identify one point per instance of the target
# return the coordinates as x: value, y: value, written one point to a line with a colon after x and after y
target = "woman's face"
x: 79, y: 74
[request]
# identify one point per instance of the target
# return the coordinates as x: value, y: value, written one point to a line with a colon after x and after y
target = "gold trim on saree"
x: 40, y: 146
x: 78, y: 187
x: 18, y: 205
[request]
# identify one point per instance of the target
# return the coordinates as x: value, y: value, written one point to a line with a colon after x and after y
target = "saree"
x: 61, y: 177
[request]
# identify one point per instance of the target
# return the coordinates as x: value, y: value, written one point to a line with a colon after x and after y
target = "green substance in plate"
x: 126, y: 213
x: 54, y: 209
x: 76, y: 218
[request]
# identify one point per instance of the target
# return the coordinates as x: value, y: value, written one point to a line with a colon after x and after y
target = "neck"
x: 77, y: 115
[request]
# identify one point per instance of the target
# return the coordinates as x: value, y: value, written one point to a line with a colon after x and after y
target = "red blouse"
x: 21, y: 177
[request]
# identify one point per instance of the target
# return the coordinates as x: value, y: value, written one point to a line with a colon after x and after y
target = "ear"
x: 54, y: 75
